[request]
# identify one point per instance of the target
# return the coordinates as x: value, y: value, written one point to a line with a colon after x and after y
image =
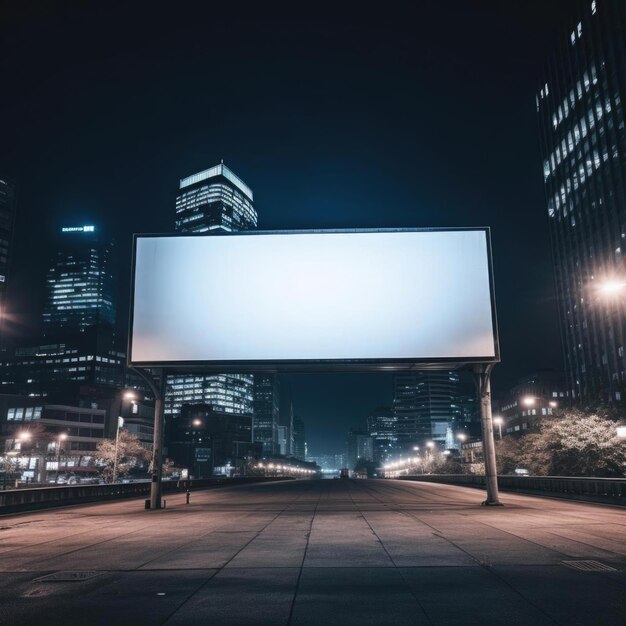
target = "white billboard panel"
x: 334, y: 296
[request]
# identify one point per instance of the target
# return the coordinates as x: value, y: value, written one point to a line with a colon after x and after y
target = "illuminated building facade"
x: 8, y: 198
x: 266, y: 412
x: 78, y: 361
x: 212, y: 201
x: 382, y: 428
x: 535, y: 396
x: 426, y: 405
x: 299, y: 439
x: 580, y: 105
x: 80, y: 283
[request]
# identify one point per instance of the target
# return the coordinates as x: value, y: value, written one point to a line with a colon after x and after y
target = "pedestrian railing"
x: 598, y: 489
x: 13, y: 500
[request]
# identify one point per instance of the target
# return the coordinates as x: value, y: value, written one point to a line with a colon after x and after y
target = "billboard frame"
x: 316, y: 365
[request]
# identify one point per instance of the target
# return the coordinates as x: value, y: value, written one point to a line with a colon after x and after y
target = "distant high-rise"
x: 359, y: 448
x: 80, y: 284
x: 425, y: 405
x: 8, y: 197
x: 212, y: 201
x: 79, y: 342
x: 382, y: 428
x: 580, y: 104
x: 299, y: 438
x: 266, y: 411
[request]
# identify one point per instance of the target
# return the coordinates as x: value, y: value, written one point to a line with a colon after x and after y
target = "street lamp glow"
x: 461, y: 436
x: 498, y: 421
x: 621, y: 432
x: 611, y: 287
x: 430, y: 444
x: 197, y: 422
x: 130, y: 395
x: 62, y: 436
x: 528, y: 400
x: 416, y: 448
x: 24, y: 436
x: 553, y: 404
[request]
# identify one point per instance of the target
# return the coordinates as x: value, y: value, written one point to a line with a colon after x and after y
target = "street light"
x: 499, y: 421
x: 130, y: 395
x: 120, y: 424
x: 611, y: 288
x: 621, y: 432
x: 62, y: 437
x: 430, y: 445
x: 461, y: 437
x: 24, y: 436
x: 528, y: 400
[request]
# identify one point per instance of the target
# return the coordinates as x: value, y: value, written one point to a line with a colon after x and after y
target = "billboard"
x: 309, y: 300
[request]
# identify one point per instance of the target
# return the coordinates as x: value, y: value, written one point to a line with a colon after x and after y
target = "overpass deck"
x: 317, y: 552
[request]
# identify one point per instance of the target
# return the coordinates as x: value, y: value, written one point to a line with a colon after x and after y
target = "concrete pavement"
x: 317, y: 552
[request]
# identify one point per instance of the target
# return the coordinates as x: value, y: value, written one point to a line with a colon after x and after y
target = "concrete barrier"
x: 16, y: 500
x: 605, y: 490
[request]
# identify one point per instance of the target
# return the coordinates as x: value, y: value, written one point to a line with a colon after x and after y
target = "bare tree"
x: 130, y: 454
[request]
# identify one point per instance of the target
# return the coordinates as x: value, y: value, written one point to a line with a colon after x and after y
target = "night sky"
x: 336, y: 118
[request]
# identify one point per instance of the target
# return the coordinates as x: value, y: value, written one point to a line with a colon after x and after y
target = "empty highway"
x: 317, y: 552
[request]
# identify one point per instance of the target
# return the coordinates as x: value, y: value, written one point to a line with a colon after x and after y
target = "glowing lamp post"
x: 120, y: 424
x: 61, y: 437
x: 430, y: 445
x: 498, y: 421
x: 621, y: 432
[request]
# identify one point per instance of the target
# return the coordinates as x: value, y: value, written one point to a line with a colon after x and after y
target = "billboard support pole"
x: 482, y: 378
x: 156, y: 382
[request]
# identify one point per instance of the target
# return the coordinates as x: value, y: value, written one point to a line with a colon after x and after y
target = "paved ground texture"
x: 317, y: 552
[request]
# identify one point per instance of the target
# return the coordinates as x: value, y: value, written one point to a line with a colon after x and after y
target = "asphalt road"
x: 317, y: 552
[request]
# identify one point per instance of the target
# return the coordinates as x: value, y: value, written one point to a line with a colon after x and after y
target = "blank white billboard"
x: 384, y: 296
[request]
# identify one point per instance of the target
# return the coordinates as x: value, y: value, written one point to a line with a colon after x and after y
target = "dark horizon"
x: 424, y: 118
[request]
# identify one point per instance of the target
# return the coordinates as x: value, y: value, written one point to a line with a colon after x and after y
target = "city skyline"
x: 335, y: 171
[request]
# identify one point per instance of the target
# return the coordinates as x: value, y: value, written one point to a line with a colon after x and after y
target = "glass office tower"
x: 79, y: 340
x: 8, y: 197
x: 382, y: 428
x: 425, y: 406
x: 80, y: 283
x: 581, y: 113
x: 212, y: 201
x: 266, y: 412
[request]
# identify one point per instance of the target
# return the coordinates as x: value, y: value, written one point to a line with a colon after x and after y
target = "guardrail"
x: 606, y: 490
x: 16, y: 500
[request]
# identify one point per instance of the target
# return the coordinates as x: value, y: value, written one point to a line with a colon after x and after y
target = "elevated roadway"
x: 317, y: 552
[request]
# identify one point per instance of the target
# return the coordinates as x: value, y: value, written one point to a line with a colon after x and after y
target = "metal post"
x: 158, y: 389
x: 56, y: 480
x: 117, y: 441
x: 482, y: 377
x: 157, y: 445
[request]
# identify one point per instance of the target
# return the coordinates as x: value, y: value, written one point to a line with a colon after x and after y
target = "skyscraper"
x: 299, y: 438
x: 382, y: 428
x: 80, y: 285
x: 212, y: 201
x: 8, y: 197
x: 78, y: 361
x: 266, y: 411
x: 79, y: 342
x: 425, y: 405
x: 583, y: 143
